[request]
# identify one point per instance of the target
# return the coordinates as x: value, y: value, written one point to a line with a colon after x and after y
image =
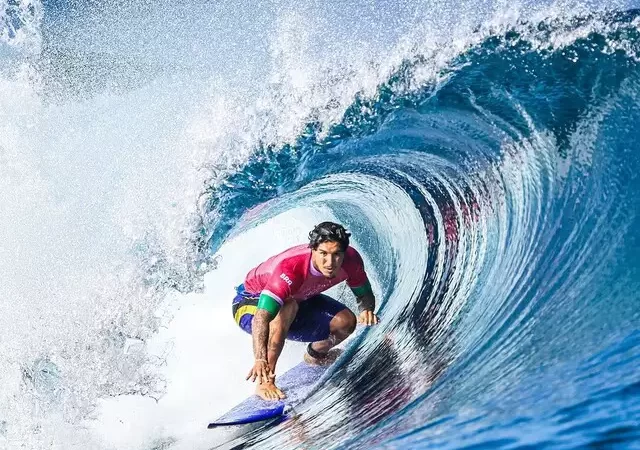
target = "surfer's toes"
x: 268, y: 391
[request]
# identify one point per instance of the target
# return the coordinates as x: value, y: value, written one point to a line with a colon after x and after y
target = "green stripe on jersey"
x: 362, y: 290
x: 269, y: 303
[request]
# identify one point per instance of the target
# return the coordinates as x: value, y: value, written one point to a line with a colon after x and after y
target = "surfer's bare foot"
x: 269, y: 391
x: 326, y: 360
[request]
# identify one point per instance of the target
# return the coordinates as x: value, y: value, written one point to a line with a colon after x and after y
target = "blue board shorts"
x: 310, y: 325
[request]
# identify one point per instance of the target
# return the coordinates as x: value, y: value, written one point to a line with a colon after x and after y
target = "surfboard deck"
x: 296, y: 383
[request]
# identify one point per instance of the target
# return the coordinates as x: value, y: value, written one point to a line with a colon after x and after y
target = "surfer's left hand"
x: 367, y: 317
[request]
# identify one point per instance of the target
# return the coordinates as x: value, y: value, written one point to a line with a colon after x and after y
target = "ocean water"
x: 484, y: 156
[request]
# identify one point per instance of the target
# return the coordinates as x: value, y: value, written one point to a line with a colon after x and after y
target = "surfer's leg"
x: 340, y: 327
x: 324, y: 322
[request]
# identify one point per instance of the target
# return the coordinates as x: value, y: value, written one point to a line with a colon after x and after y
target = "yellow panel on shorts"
x: 246, y: 309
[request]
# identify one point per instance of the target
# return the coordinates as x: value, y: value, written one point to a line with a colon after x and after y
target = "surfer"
x: 282, y: 299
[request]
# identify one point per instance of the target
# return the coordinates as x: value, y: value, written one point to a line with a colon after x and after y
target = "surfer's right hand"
x: 261, y: 371
x: 368, y: 318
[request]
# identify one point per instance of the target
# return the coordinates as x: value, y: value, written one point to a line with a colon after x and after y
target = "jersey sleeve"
x: 285, y: 280
x: 356, y: 275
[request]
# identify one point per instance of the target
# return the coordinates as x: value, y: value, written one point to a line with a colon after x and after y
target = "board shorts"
x: 311, y: 323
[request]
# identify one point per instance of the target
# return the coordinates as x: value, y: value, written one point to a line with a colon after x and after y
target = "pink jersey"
x: 291, y: 274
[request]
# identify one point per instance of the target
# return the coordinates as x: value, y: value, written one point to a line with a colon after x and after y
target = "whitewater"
x: 483, y: 155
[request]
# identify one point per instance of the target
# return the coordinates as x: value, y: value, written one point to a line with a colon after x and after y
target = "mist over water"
x: 482, y: 154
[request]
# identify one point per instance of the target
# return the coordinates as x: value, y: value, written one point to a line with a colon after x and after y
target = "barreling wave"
x: 490, y: 182
x: 496, y: 205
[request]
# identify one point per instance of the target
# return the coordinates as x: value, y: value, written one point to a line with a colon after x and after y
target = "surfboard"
x: 296, y: 383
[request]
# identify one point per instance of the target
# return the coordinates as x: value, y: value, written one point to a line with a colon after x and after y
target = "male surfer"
x: 281, y: 299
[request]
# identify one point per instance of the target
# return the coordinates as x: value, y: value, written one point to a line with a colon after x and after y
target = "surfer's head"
x: 328, y: 242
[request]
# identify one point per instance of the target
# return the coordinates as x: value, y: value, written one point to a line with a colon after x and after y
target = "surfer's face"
x: 327, y: 258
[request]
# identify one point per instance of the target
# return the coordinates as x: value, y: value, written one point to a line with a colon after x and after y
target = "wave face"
x: 498, y: 207
x: 490, y: 179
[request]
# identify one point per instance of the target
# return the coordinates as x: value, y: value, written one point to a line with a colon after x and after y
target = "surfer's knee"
x: 343, y: 323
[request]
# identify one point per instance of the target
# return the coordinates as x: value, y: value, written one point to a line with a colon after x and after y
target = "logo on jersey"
x: 286, y: 279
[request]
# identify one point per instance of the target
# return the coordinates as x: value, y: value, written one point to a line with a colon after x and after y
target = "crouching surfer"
x: 282, y: 299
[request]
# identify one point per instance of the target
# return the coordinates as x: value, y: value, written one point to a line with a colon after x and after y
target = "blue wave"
x: 499, y: 210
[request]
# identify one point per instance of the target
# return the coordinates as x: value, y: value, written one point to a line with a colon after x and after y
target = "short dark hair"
x: 329, y: 232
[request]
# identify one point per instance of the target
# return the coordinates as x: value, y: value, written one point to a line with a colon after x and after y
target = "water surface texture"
x: 484, y: 156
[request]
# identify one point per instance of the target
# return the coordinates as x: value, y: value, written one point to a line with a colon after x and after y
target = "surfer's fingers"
x: 367, y: 318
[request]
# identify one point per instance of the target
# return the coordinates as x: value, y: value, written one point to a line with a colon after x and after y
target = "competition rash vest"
x: 291, y: 274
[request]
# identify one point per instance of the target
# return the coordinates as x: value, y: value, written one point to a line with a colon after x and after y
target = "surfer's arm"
x: 366, y: 303
x: 278, y: 330
x: 260, y: 332
x: 268, y: 308
x: 284, y: 280
x: 269, y: 330
x: 364, y: 296
x: 366, y: 306
x: 358, y: 282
